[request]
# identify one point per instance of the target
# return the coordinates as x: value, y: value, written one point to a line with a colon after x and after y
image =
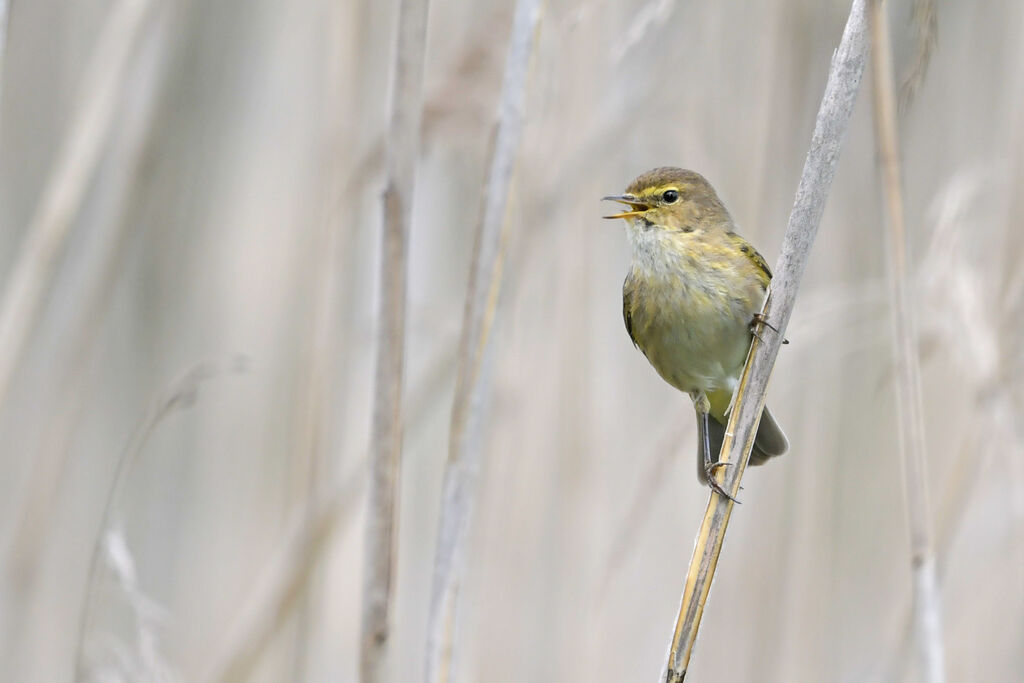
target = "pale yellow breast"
x: 689, y: 301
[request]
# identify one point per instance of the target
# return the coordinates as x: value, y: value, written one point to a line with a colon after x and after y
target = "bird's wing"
x: 748, y: 250
x: 627, y: 309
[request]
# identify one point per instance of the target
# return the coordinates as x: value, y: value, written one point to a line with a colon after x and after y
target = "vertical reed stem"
x: 386, y: 447
x: 473, y: 379
x: 927, y: 608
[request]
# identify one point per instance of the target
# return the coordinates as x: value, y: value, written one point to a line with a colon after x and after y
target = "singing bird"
x: 691, y: 301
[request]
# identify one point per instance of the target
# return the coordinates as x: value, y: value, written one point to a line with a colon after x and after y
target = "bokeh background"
x: 213, y: 312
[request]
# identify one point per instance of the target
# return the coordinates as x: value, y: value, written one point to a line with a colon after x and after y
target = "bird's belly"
x: 695, y: 340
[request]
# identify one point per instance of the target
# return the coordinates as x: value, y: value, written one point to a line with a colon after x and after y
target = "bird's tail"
x: 770, y: 442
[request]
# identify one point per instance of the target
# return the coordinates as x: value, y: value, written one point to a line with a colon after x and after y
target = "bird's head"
x: 671, y: 198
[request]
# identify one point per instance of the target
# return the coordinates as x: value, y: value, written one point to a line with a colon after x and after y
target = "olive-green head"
x: 673, y: 199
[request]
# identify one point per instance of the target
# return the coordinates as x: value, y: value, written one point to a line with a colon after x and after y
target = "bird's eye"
x: 670, y: 196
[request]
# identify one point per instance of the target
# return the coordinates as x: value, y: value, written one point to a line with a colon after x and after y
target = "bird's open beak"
x: 637, y: 208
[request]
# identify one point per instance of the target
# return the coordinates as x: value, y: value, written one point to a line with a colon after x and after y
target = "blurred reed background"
x: 200, y: 369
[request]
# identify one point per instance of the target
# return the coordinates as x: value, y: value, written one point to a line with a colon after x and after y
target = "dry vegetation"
x: 208, y: 178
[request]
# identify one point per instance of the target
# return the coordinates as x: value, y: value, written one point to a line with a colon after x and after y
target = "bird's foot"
x: 760, y: 321
x: 709, y: 470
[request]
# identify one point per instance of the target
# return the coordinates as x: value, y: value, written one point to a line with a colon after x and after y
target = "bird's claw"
x: 758, y: 321
x: 709, y: 470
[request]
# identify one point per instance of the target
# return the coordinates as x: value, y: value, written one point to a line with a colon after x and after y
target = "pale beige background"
x: 247, y: 126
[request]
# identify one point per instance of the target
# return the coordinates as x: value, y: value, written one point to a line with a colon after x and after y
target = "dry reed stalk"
x: 927, y: 608
x: 180, y: 395
x: 79, y: 153
x: 475, y: 352
x: 961, y: 486
x: 925, y: 17
x: 379, y: 561
x: 819, y: 169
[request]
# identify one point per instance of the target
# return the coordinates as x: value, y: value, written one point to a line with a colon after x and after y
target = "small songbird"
x: 692, y: 301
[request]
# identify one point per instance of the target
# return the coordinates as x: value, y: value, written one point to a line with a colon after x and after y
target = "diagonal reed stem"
x: 79, y: 153
x: 819, y: 169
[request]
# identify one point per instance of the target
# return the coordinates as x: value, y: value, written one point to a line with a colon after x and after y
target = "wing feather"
x: 750, y: 252
x: 627, y: 309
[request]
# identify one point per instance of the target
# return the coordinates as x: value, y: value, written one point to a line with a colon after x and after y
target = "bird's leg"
x: 703, y: 408
x: 758, y: 321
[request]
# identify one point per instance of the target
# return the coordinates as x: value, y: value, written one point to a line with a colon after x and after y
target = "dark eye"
x: 670, y: 196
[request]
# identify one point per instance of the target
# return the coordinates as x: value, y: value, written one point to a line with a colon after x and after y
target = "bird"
x: 692, y: 302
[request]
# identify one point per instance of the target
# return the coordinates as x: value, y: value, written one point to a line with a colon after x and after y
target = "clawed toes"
x: 715, y: 486
x: 760, y: 320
